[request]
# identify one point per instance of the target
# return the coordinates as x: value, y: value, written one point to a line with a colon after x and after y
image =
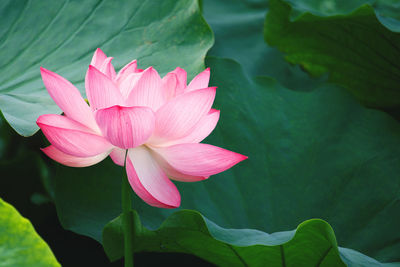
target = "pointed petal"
x: 71, y: 137
x: 199, y: 159
x: 126, y: 127
x: 200, y: 131
x: 98, y: 58
x: 68, y: 98
x: 126, y: 70
x: 169, y: 84
x: 176, y: 118
x: 174, y: 174
x: 108, y: 69
x: 71, y: 161
x: 128, y: 83
x: 149, y: 181
x: 118, y: 156
x: 147, y: 91
x: 101, y: 91
x: 200, y: 81
x: 181, y: 75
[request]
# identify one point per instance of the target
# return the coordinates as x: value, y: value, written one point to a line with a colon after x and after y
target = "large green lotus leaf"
x: 20, y: 245
x: 387, y: 11
x: 313, y: 243
x: 316, y: 154
x: 238, y: 27
x: 356, y: 50
x: 63, y: 35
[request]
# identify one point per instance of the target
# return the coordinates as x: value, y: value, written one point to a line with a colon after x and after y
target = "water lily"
x: 155, y: 123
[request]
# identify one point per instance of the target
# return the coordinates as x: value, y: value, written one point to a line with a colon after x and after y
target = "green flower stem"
x: 127, y: 222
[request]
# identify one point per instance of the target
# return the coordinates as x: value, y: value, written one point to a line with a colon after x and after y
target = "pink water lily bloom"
x: 158, y: 122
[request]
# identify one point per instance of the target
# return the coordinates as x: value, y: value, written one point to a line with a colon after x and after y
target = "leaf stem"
x: 127, y: 222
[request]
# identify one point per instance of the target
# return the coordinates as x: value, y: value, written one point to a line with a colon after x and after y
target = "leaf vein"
x: 37, y: 37
x: 323, y: 256
x: 237, y: 254
x: 16, y: 21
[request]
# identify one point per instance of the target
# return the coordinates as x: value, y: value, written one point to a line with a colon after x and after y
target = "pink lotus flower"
x: 159, y: 121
